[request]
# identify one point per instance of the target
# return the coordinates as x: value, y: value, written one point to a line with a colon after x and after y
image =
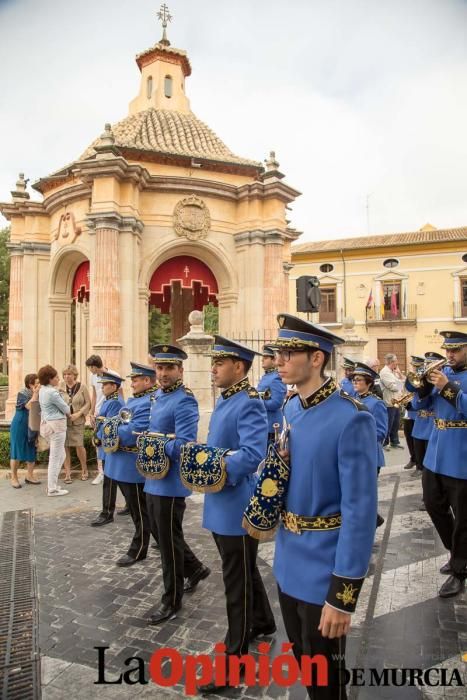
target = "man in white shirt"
x: 392, y: 382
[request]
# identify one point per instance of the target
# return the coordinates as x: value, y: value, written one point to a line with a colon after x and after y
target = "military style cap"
x: 138, y: 370
x: 417, y: 361
x: 109, y: 376
x: 434, y: 356
x: 347, y: 364
x: 224, y: 347
x: 453, y: 339
x: 297, y: 334
x: 167, y: 354
x: 268, y: 351
x: 361, y: 369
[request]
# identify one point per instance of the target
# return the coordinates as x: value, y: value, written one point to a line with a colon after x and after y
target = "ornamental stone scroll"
x: 191, y: 218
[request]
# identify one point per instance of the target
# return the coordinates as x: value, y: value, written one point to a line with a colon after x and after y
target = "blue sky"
x: 364, y: 102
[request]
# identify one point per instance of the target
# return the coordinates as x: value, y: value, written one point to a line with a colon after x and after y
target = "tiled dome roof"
x: 170, y: 132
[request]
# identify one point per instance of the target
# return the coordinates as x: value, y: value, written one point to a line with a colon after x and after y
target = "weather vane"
x: 165, y: 17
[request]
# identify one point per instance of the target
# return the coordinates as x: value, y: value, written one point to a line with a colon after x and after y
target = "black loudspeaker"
x: 308, y: 294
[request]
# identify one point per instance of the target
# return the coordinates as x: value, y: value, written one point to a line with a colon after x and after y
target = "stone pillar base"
x: 197, y: 369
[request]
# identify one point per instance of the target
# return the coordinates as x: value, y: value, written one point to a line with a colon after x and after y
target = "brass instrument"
x: 125, y: 415
x: 418, y: 378
x: 403, y: 400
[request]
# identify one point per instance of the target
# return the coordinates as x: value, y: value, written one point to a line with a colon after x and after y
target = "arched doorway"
x: 180, y: 285
x: 80, y: 316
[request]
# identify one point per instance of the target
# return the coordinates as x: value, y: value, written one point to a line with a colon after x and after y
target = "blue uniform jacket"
x: 173, y: 411
x: 271, y: 383
x: 347, y: 385
x: 378, y: 410
x: 447, y: 447
x: 109, y: 408
x: 121, y: 465
x: 333, y: 460
x: 239, y: 423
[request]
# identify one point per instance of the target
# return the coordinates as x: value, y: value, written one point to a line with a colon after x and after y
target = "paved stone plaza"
x: 86, y: 601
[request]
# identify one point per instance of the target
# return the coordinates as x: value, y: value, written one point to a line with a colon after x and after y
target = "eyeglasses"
x: 284, y: 355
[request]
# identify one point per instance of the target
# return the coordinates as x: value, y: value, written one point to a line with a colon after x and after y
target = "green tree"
x: 211, y: 319
x: 4, y: 293
x: 159, y: 327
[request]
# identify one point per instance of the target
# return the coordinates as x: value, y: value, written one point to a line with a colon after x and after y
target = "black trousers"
x: 408, y: 427
x: 109, y: 497
x: 301, y: 622
x: 420, y: 451
x: 136, y: 501
x: 246, y: 598
x: 445, y: 499
x: 177, y: 559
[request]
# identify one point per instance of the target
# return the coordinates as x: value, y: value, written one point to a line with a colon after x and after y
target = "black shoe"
x: 126, y: 560
x: 102, y: 520
x: 417, y: 474
x: 446, y: 568
x: 191, y: 583
x: 379, y: 520
x: 124, y: 511
x: 211, y: 688
x: 398, y: 446
x: 257, y: 632
x: 165, y: 612
x: 451, y: 587
x: 410, y: 464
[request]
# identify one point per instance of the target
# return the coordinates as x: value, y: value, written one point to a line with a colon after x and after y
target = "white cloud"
x: 357, y: 97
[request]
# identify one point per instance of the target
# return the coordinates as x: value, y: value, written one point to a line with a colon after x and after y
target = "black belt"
x: 128, y: 449
x: 299, y: 523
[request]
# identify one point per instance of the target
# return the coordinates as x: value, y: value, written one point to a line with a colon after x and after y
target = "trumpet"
x: 171, y: 436
x: 125, y: 415
x: 403, y: 400
x: 418, y: 378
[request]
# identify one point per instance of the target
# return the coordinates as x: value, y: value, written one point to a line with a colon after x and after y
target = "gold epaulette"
x: 252, y: 392
x: 188, y: 391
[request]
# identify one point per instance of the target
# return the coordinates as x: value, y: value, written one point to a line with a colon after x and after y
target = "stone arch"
x: 68, y: 323
x: 214, y: 257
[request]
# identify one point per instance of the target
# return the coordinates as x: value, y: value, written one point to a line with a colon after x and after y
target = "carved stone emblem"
x: 191, y: 218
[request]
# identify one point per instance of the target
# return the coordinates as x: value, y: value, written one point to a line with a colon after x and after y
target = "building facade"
x: 156, y: 213
x: 400, y: 289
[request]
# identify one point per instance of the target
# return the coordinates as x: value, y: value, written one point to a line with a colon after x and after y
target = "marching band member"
x: 119, y: 442
x: 424, y: 421
x: 239, y: 424
x: 410, y: 418
x: 324, y: 542
x: 113, y: 402
x: 444, y: 477
x: 272, y: 390
x: 346, y: 382
x: 174, y: 417
x: 363, y: 380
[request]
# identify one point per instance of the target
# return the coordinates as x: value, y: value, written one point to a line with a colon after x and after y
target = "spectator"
x: 21, y: 449
x: 53, y: 425
x: 96, y: 367
x: 392, y: 381
x: 374, y: 364
x: 77, y: 396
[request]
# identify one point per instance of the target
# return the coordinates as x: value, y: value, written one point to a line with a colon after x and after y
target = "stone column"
x: 105, y: 292
x: 275, y: 281
x: 15, y: 331
x: 197, y: 369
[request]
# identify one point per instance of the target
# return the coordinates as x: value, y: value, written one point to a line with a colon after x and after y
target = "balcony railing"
x: 458, y: 310
x: 406, y: 315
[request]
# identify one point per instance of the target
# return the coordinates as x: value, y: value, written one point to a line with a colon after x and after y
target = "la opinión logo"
x: 167, y: 668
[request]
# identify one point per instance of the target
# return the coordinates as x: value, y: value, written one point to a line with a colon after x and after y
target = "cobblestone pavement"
x: 86, y: 601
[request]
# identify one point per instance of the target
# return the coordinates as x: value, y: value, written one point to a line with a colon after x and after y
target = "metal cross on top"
x: 165, y: 17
